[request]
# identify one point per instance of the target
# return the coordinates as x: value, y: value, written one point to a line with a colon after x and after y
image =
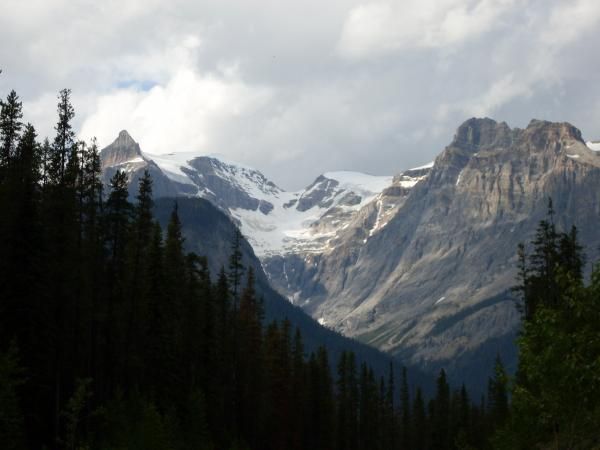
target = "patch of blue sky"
x: 140, y: 85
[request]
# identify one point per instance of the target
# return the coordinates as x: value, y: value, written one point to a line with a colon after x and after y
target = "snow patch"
x: 440, y: 300
x: 595, y: 146
x: 573, y: 156
x: 429, y: 165
x: 458, y: 179
x: 360, y: 182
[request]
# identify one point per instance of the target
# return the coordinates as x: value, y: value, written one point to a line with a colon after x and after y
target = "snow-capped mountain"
x: 419, y: 264
x: 275, y: 221
x: 433, y: 285
x: 125, y: 154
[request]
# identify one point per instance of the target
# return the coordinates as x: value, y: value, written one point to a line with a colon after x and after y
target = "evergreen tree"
x: 405, y: 409
x: 553, y: 397
x: 11, y: 113
x: 419, y: 435
x: 347, y: 403
x: 236, y: 268
x: 64, y: 140
x: 498, y: 395
x: 440, y: 435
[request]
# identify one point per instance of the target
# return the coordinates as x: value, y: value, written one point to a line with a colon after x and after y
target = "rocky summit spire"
x: 124, y: 139
x: 123, y: 149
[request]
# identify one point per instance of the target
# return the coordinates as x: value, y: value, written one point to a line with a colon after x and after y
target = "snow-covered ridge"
x: 275, y: 221
x: 359, y: 182
x: 595, y: 146
x: 429, y: 165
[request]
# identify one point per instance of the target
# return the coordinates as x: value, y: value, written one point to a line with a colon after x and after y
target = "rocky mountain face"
x: 125, y: 154
x: 420, y: 264
x: 433, y: 284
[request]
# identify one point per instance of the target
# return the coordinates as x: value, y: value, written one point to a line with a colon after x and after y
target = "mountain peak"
x: 540, y: 132
x: 481, y: 132
x: 124, y: 139
x: 123, y: 149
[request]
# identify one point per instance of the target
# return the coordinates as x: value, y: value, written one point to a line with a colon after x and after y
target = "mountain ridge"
x: 420, y: 266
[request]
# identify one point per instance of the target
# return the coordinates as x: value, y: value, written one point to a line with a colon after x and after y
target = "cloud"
x: 379, y: 28
x: 183, y: 115
x: 569, y: 21
x: 299, y: 88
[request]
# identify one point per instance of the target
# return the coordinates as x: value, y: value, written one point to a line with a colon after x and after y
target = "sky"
x: 300, y: 88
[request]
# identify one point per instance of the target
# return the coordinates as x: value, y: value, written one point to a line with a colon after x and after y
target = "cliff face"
x: 433, y: 284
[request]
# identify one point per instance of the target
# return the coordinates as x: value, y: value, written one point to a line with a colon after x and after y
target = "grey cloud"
x: 278, y: 85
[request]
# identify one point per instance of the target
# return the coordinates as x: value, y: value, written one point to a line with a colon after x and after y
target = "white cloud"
x: 382, y: 27
x: 185, y: 114
x: 570, y: 20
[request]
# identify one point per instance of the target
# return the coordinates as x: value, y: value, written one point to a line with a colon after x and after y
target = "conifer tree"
x: 498, y: 395
x: 419, y: 435
x: 236, y: 268
x: 440, y: 436
x: 64, y: 140
x: 405, y: 409
x: 11, y: 113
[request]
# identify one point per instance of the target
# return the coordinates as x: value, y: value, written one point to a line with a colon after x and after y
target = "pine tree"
x: 440, y: 436
x: 11, y: 113
x: 419, y: 429
x: 347, y: 403
x: 299, y: 407
x: 498, y: 395
x: 405, y: 409
x: 118, y: 218
x: 64, y: 140
x: 236, y: 268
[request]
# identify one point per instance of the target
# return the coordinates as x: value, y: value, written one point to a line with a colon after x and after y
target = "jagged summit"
x: 476, y: 133
x: 124, y: 139
x: 123, y: 150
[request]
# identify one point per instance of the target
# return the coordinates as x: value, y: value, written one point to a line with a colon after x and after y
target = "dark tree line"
x: 112, y: 336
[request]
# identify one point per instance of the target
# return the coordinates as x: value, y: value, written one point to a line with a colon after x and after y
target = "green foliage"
x: 556, y: 394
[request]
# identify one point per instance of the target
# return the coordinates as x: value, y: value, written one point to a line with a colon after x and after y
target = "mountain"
x: 209, y: 231
x: 276, y: 222
x: 125, y: 154
x: 433, y: 285
x: 420, y: 264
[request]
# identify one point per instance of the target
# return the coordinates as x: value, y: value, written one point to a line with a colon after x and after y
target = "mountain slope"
x: 210, y: 232
x: 420, y: 264
x: 433, y: 285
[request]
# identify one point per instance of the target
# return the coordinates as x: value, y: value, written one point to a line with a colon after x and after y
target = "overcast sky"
x: 297, y: 88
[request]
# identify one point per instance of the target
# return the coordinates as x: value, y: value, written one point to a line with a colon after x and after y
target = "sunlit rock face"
x: 432, y: 284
